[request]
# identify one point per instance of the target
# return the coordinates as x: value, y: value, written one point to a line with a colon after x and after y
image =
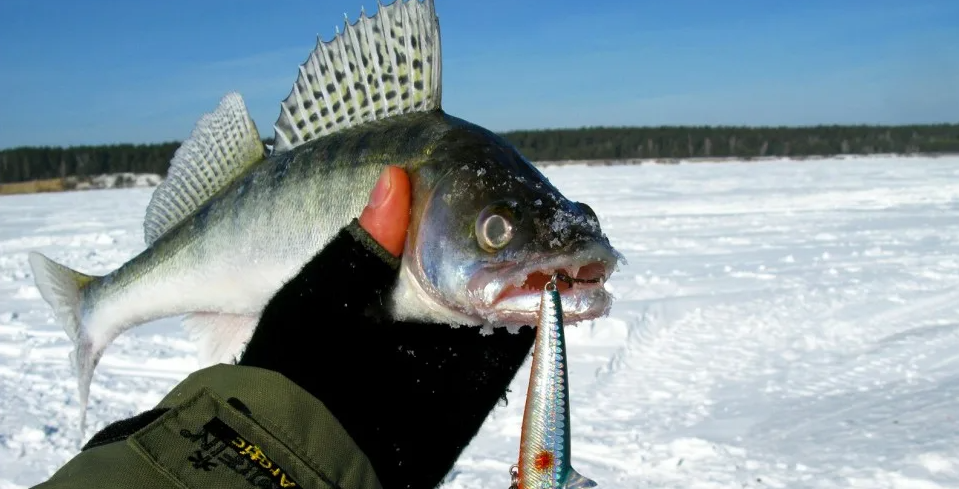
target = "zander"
x: 233, y: 222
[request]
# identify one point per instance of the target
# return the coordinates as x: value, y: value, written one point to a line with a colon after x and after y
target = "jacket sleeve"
x: 224, y: 426
x: 245, y: 426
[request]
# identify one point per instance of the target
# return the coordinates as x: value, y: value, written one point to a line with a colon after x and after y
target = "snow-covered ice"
x: 778, y: 324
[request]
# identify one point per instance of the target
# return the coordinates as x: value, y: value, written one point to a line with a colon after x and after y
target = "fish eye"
x: 494, y: 228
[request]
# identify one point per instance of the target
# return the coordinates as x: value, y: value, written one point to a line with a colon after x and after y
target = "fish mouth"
x: 510, y: 293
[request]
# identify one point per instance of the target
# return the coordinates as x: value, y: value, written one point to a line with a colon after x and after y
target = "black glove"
x: 412, y: 396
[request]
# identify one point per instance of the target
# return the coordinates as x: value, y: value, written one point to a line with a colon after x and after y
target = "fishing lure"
x: 544, y: 455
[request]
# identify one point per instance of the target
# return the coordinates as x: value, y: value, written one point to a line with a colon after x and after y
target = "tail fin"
x: 61, y: 287
x: 575, y: 480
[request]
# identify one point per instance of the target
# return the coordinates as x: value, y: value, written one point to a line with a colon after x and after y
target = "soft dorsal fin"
x: 223, y: 144
x: 381, y: 66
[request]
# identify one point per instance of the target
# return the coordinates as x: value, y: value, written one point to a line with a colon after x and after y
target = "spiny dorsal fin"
x: 381, y: 66
x: 223, y: 144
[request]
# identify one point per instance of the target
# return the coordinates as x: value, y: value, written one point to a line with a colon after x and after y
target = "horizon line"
x: 552, y: 129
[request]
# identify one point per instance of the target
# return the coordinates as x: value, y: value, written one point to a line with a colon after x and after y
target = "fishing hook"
x: 514, y: 477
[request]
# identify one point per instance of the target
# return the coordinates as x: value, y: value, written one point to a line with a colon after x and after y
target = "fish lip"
x: 497, y: 298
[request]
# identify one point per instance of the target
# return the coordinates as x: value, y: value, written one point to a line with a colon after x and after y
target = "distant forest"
x: 593, y: 143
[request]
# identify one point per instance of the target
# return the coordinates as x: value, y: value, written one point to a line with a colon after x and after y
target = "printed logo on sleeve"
x: 219, y: 445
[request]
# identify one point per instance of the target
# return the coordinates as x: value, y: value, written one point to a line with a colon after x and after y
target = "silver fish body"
x: 231, y: 224
x: 544, y: 459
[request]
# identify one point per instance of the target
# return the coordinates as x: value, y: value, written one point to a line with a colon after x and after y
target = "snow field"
x: 778, y: 324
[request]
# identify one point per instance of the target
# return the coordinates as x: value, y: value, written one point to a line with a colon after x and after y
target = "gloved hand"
x: 412, y: 396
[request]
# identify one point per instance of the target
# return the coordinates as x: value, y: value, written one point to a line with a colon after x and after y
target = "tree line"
x: 589, y: 143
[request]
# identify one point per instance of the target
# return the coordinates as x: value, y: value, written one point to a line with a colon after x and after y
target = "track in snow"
x: 778, y: 324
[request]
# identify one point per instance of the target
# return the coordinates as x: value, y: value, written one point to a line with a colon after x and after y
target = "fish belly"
x: 232, y: 255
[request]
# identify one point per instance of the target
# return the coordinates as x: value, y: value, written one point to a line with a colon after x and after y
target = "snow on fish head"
x: 485, y: 237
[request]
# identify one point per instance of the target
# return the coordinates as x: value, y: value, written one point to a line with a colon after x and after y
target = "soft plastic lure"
x: 544, y: 454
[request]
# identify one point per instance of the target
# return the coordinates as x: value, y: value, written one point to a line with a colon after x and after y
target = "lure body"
x: 544, y: 457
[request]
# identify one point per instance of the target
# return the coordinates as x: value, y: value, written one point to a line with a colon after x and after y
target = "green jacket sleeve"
x: 225, y: 426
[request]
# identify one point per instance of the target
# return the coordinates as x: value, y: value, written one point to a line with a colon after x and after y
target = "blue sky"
x: 108, y: 71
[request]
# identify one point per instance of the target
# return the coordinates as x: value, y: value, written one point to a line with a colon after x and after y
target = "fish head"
x: 489, y: 231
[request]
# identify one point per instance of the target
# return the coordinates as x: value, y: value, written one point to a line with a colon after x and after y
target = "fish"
x: 544, y: 455
x: 235, y: 219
